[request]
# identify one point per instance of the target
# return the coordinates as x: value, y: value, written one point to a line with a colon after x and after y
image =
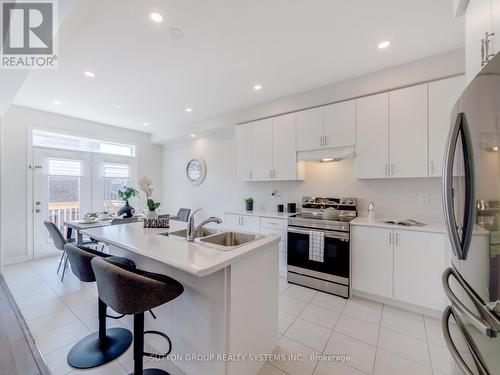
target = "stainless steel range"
x: 318, y: 244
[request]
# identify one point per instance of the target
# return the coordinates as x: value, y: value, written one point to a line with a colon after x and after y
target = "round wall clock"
x: 196, y: 171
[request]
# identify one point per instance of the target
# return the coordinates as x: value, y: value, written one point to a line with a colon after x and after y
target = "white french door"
x: 62, y: 191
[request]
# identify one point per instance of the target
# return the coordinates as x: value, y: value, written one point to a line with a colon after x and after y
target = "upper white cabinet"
x: 310, y: 129
x: 442, y: 97
x: 266, y: 150
x: 244, y: 152
x: 329, y: 126
x: 408, y: 132
x: 339, y: 124
x: 262, y: 150
x: 284, y: 147
x: 482, y: 17
x: 372, y: 148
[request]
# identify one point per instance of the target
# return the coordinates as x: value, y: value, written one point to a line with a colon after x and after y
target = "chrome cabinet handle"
x: 476, y: 356
x: 487, y: 324
x: 326, y: 140
x: 390, y: 238
x: 396, y: 236
x: 321, y: 141
x: 392, y: 169
x: 386, y: 169
x: 432, y: 167
x: 459, y: 244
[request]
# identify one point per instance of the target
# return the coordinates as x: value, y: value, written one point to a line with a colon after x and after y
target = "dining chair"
x: 59, y: 242
x: 182, y: 215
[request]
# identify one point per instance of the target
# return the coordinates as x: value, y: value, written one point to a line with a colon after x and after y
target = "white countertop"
x: 429, y: 227
x: 176, y: 252
x: 271, y: 214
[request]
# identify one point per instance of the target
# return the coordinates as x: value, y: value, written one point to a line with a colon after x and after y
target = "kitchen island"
x: 230, y: 300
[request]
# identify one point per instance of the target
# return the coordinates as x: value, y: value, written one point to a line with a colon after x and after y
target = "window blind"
x: 64, y: 167
x: 113, y: 170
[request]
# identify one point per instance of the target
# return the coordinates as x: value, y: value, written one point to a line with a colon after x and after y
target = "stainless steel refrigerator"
x: 471, y: 201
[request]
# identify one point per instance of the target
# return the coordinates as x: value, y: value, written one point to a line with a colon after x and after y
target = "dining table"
x: 79, y: 225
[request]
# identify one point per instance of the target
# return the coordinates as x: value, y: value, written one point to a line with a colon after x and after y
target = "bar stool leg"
x: 100, y: 347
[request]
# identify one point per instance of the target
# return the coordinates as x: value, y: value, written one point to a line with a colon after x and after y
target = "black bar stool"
x: 133, y: 291
x: 107, y: 344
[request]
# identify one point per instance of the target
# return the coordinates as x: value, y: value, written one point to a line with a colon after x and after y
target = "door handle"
x: 38, y: 203
x: 38, y: 210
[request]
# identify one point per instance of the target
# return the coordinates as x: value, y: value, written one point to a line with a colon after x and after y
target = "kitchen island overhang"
x: 227, y: 318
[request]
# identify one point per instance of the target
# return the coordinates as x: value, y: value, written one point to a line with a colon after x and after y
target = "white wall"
x: 14, y: 153
x: 221, y: 190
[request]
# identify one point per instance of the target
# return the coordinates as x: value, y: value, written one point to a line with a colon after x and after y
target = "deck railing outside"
x: 59, y: 212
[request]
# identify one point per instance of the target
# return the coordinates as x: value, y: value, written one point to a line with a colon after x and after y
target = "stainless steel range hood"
x: 336, y: 153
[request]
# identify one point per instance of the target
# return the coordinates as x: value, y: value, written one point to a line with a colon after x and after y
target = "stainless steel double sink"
x: 220, y: 240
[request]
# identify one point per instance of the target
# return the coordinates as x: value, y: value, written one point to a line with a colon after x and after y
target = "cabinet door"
x: 419, y: 263
x: 284, y: 147
x: 372, y: 126
x: 372, y: 260
x: 310, y: 129
x: 262, y: 149
x: 282, y: 247
x: 442, y: 97
x: 340, y: 124
x: 246, y: 223
x: 477, y: 22
x: 244, y: 152
x: 408, y: 132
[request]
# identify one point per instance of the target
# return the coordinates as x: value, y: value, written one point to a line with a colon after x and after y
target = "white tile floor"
x: 375, y: 338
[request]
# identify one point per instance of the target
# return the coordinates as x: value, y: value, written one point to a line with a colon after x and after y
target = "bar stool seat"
x: 106, y: 344
x: 134, y: 291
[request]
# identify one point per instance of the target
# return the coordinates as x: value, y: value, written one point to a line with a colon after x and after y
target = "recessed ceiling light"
x: 257, y: 87
x: 146, y: 124
x: 192, y: 135
x: 384, y: 44
x: 189, y: 109
x: 56, y: 102
x: 156, y: 17
x: 325, y: 160
x: 89, y: 74
x: 119, y: 107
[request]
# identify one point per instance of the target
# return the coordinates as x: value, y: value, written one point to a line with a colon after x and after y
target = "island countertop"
x: 176, y: 252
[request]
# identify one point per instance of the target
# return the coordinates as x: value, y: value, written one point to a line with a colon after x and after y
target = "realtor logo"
x: 28, y: 30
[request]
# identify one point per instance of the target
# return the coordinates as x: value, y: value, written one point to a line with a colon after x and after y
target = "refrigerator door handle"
x: 474, y: 351
x: 459, y: 244
x: 486, y: 323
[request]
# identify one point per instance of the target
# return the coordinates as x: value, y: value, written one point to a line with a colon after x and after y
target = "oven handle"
x: 329, y: 234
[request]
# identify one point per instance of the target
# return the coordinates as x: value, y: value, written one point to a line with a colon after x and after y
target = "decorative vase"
x: 249, y: 206
x: 151, y: 215
x: 126, y: 210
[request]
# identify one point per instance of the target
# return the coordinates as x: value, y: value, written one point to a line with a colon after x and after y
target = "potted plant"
x: 249, y: 204
x: 147, y: 187
x: 125, y: 195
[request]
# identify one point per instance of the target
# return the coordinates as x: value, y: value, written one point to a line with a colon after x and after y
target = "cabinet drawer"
x: 267, y: 222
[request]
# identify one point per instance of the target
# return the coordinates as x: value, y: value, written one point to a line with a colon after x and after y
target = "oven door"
x: 336, y: 254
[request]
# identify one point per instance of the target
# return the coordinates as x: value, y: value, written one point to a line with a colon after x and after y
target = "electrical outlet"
x: 423, y: 199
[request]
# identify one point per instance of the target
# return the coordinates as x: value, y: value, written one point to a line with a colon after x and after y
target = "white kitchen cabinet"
x: 245, y: 223
x: 244, y: 152
x: 479, y: 16
x: 372, y: 131
x: 372, y: 260
x: 442, y: 97
x: 262, y: 149
x: 419, y: 263
x: 339, y: 124
x: 278, y: 227
x: 310, y: 129
x: 284, y: 157
x: 408, y: 132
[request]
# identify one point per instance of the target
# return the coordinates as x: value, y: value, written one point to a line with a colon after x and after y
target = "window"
x: 116, y: 177
x: 68, y: 142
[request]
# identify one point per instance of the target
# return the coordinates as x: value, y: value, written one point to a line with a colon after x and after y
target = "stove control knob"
x: 342, y: 201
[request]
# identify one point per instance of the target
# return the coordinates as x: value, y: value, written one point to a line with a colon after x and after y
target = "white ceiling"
x: 229, y: 45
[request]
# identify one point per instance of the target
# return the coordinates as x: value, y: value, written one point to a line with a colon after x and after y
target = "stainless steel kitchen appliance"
x: 471, y: 191
x: 326, y: 218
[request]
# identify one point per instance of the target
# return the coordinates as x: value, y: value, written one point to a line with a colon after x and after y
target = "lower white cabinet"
x: 262, y: 225
x: 245, y: 223
x: 372, y: 260
x: 419, y: 263
x: 403, y: 265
